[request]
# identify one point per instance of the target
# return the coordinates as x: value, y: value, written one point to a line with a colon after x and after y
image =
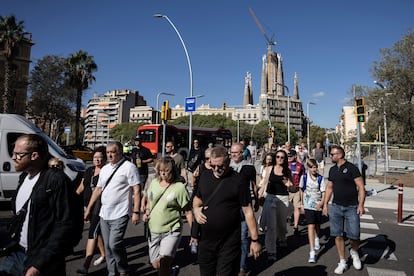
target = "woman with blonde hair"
x: 166, y: 200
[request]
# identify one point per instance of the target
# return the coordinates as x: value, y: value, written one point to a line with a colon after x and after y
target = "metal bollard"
x: 400, y: 202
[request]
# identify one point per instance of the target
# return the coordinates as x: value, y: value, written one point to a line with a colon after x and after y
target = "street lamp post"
x: 385, y: 127
x: 190, y: 125
x: 288, y: 111
x: 158, y: 99
x: 308, y: 130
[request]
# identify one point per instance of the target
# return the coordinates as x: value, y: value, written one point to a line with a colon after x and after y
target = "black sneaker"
x: 175, y: 269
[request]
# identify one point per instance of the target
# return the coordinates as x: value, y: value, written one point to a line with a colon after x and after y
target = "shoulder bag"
x: 262, y: 191
x: 9, y: 239
x: 147, y: 232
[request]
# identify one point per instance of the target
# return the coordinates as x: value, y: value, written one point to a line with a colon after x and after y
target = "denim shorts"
x: 344, y: 219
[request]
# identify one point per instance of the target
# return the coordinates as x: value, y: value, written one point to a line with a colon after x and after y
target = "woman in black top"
x: 88, y: 184
x: 275, y: 208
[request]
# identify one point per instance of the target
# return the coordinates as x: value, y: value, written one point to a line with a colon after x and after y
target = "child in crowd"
x: 312, y: 191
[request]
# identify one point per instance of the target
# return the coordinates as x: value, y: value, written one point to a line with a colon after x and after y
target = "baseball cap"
x: 291, y: 153
x: 138, y: 138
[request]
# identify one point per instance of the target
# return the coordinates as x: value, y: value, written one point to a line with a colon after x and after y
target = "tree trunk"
x: 78, y: 111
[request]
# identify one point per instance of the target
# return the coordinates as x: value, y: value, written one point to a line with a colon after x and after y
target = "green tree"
x: 125, y: 132
x: 11, y: 34
x: 80, y: 70
x: 395, y: 71
x: 50, y: 99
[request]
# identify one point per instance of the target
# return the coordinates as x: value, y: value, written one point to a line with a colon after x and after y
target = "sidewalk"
x: 386, y: 196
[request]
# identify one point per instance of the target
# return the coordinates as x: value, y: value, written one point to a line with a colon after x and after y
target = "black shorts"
x: 313, y: 217
x: 94, y: 227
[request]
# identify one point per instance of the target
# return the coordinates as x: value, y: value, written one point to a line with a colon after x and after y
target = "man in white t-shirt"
x: 116, y: 196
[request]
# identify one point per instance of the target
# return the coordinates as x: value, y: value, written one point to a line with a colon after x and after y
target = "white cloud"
x: 318, y: 94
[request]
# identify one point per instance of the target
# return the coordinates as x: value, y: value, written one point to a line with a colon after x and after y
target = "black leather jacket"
x: 49, y: 222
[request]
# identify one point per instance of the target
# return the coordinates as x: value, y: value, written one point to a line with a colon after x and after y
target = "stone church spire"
x: 296, y: 87
x: 248, y: 93
x: 263, y: 87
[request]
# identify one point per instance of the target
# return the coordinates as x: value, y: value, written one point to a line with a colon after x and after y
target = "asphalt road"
x: 386, y: 249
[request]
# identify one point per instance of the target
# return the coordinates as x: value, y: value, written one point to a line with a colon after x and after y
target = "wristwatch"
x: 256, y: 240
x: 136, y: 212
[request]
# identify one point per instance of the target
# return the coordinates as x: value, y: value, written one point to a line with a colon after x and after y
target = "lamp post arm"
x: 190, y: 125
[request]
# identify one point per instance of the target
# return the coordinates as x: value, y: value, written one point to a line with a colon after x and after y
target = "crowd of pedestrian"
x: 218, y: 190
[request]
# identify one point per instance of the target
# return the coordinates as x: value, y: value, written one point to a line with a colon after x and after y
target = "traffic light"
x: 270, y: 132
x: 165, y: 111
x: 224, y: 106
x: 360, y: 109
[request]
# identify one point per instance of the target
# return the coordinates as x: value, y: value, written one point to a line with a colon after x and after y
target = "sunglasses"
x: 280, y: 157
x: 218, y: 167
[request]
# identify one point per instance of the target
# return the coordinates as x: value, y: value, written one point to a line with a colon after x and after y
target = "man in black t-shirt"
x: 219, y: 242
x: 346, y: 183
x: 141, y: 157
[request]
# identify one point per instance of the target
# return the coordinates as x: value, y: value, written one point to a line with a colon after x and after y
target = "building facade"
x: 104, y: 112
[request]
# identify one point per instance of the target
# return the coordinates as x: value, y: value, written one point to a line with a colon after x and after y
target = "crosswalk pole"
x: 400, y: 202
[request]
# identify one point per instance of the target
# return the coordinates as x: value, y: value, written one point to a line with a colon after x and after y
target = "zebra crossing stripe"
x: 372, y: 271
x: 367, y: 225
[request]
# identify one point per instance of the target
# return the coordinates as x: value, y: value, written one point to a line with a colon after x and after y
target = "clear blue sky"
x: 330, y: 44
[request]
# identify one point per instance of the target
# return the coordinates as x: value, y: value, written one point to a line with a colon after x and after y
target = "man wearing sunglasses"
x: 224, y: 192
x: 43, y: 234
x: 346, y: 183
x: 246, y: 168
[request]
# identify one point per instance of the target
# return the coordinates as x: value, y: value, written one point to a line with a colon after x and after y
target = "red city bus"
x: 152, y: 137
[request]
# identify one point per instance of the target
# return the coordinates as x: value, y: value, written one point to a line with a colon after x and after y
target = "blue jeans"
x: 244, y: 245
x: 340, y: 216
x: 113, y: 232
x: 13, y: 264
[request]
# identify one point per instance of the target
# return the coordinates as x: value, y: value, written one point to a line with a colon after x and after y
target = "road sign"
x: 67, y: 129
x: 190, y: 104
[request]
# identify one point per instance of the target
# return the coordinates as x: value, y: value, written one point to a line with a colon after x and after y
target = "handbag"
x: 262, y: 191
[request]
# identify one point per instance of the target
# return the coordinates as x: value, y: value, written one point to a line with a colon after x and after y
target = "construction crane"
x: 270, y: 41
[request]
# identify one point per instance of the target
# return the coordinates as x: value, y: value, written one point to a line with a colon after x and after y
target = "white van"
x: 11, y: 127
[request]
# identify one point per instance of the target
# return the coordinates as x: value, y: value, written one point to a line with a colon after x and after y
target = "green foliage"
x: 50, y: 98
x: 80, y: 69
x: 125, y: 132
x: 11, y: 34
x: 395, y: 73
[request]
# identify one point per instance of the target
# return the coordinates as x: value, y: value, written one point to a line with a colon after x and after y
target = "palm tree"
x: 80, y: 69
x: 11, y: 34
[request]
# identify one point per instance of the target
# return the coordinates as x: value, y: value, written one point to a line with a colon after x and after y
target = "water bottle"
x: 194, y: 248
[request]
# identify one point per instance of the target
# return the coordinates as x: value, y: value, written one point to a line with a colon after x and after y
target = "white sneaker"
x: 356, y: 262
x: 312, y: 257
x: 317, y: 244
x: 340, y: 269
x: 99, y: 261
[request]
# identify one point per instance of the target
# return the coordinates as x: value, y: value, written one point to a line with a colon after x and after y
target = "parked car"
x: 80, y: 151
x: 11, y: 127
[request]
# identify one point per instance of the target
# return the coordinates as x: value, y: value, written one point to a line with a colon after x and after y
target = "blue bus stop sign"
x: 190, y: 104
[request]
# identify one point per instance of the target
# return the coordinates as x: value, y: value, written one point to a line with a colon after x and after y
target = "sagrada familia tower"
x: 276, y: 102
